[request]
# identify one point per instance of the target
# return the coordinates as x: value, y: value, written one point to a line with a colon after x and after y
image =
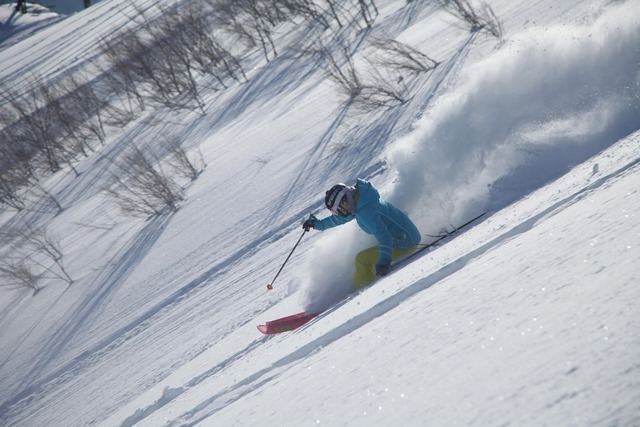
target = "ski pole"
x: 270, y: 286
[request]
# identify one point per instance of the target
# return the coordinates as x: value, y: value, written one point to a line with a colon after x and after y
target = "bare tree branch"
x: 477, y: 19
x: 141, y: 186
x: 400, y: 56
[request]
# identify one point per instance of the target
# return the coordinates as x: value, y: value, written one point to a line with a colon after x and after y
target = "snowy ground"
x: 528, y: 318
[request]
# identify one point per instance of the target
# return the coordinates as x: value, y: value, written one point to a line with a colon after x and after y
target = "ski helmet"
x: 337, y: 199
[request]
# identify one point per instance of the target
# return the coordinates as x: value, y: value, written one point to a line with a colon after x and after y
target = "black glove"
x: 310, y: 223
x: 382, y: 269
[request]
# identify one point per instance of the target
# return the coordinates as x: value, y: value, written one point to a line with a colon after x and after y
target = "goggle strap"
x: 338, y: 199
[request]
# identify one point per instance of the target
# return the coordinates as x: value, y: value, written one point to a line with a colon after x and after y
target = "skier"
x: 397, y: 236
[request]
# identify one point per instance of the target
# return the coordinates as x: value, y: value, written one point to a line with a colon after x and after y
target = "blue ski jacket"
x: 390, y: 226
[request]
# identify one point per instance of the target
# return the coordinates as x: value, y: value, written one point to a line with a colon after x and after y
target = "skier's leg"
x: 365, y: 262
x: 397, y: 253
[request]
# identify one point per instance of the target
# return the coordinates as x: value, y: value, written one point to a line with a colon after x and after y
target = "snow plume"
x: 548, y: 99
x: 522, y: 116
x: 330, y: 271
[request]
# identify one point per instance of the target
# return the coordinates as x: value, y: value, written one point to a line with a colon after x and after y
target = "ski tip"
x: 263, y: 329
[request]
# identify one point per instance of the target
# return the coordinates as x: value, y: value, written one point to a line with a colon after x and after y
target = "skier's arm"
x: 382, y: 234
x: 331, y: 221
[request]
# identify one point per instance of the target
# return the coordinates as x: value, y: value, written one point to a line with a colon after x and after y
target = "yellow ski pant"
x: 366, y: 261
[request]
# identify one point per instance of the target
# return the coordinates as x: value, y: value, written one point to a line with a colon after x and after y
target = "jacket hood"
x: 367, y: 193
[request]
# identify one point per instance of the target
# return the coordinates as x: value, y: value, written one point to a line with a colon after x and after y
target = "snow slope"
x: 527, y: 318
x: 15, y: 26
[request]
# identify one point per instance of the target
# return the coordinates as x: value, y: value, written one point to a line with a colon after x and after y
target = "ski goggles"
x: 341, y: 204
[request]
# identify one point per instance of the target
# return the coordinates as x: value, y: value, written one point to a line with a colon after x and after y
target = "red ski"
x: 286, y: 324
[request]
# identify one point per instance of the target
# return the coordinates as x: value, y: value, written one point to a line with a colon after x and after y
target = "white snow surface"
x: 528, y: 317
